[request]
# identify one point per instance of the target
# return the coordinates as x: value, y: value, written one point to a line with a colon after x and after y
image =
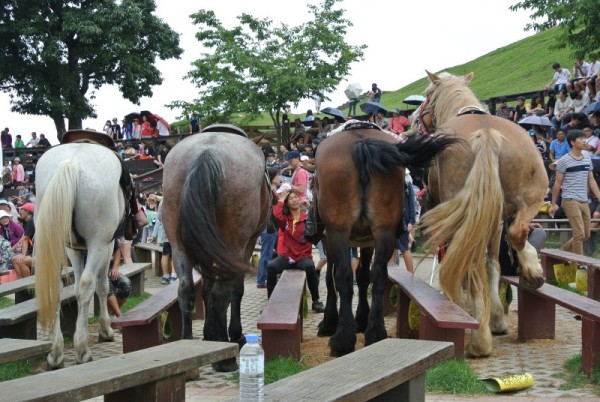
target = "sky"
x: 403, y: 38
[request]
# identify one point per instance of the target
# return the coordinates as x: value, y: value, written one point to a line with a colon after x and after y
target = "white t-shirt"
x: 593, y: 69
x: 592, y: 141
x: 162, y: 129
x: 562, y: 77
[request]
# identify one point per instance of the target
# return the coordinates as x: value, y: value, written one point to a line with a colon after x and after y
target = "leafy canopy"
x: 258, y: 66
x: 55, y: 52
x: 577, y: 21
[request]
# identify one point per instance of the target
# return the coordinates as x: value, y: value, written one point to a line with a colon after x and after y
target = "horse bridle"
x: 426, y: 115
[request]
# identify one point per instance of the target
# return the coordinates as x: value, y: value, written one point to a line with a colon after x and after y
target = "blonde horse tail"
x: 54, y: 218
x: 469, y: 220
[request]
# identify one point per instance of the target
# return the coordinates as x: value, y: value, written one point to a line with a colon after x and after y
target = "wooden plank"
x: 442, y: 311
x: 150, y: 252
x: 282, y: 309
x: 18, y: 349
x: 572, y: 301
x: 106, y: 376
x: 22, y: 311
x: 24, y: 284
x: 365, y: 374
x: 568, y: 256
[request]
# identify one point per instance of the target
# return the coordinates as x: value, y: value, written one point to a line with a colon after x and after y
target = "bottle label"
x: 251, y: 365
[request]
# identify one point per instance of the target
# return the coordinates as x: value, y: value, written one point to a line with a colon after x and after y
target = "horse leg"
x: 384, y: 245
x: 344, y: 339
x: 96, y: 267
x: 480, y: 344
x: 235, y: 321
x: 498, y: 324
x: 329, y: 323
x: 186, y: 296
x: 363, y: 274
x: 105, y: 332
x: 220, y: 296
x: 55, y: 358
x: 532, y: 274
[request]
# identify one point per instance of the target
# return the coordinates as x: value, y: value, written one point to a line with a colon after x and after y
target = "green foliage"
x: 55, y: 53
x: 277, y: 369
x: 17, y: 369
x: 130, y: 303
x: 453, y: 377
x: 573, y: 374
x: 6, y: 302
x: 258, y: 67
x: 576, y: 21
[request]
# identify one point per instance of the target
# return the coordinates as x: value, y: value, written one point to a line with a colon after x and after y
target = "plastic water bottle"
x: 252, y: 370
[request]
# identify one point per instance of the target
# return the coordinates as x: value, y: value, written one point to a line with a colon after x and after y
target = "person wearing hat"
x: 115, y: 129
x: 10, y: 229
x: 397, y: 123
x: 299, y: 177
x: 23, y: 262
x: 503, y: 110
x: 136, y: 129
x: 18, y: 173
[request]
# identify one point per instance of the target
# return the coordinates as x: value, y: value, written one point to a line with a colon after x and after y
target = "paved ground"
x: 543, y: 359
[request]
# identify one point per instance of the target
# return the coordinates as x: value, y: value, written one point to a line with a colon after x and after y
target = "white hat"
x: 3, y: 214
x: 304, y: 158
x: 284, y: 187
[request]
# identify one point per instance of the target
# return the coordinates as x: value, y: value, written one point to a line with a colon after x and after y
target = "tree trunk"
x: 59, y: 123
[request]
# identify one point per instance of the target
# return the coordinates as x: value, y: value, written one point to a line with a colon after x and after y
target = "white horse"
x: 80, y: 206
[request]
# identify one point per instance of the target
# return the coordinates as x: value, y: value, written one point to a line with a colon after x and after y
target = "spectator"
x: 560, y: 79
x: 520, y: 109
x: 404, y: 240
x: 195, y: 125
x: 595, y: 122
x: 19, y: 144
x: 562, y: 108
x: 107, y: 128
x: 318, y: 98
x: 268, y: 238
x: 575, y: 122
x: 6, y: 138
x: 579, y: 100
x: 574, y: 177
x: 580, y: 71
x: 126, y: 129
x: 352, y: 106
x: 381, y: 120
x: 590, y: 79
x: 159, y: 235
x: 296, y: 250
x: 44, y: 141
x: 504, y: 111
x: 309, y: 116
x: 299, y: 130
x: 23, y: 262
x: 18, y: 176
x: 161, y: 158
x: 136, y: 129
x: 536, y: 107
x: 591, y: 141
x: 375, y: 93
x: 33, y: 141
x: 299, y: 177
x: 10, y: 229
x: 6, y: 174
x: 559, y: 146
x: 162, y: 128
x: 115, y: 129
x: 119, y: 290
x: 550, y: 104
x: 146, y: 131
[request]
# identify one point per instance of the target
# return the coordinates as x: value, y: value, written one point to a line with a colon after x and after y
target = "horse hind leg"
x: 216, y: 320
x: 376, y: 331
x: 363, y: 275
x: 186, y: 294
x: 531, y: 272
x: 105, y: 332
x: 55, y: 358
x: 328, y: 325
x: 498, y: 324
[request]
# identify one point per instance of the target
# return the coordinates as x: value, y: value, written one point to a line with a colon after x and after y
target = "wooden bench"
x: 22, y: 288
x: 389, y: 370
x: 136, y: 272
x: 150, y: 252
x: 19, y: 349
x: 155, y: 374
x: 440, y: 318
x: 20, y: 320
x: 555, y: 256
x: 281, y: 319
x: 536, y: 315
x: 142, y: 326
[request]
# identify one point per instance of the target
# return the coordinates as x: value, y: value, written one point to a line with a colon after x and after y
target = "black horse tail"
x: 419, y: 150
x: 197, y: 229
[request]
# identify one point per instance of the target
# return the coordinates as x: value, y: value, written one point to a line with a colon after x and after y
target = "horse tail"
x: 197, y: 229
x: 419, y: 150
x: 469, y: 220
x: 53, y: 221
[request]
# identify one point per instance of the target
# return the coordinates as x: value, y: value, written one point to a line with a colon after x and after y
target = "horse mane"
x: 450, y: 93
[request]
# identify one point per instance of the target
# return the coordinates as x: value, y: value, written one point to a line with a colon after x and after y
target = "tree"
x: 55, y: 52
x: 257, y: 67
x: 576, y: 19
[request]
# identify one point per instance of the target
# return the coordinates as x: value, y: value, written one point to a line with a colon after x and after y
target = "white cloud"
x: 403, y: 38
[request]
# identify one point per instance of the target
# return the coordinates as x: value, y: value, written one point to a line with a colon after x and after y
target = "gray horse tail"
x: 198, y: 226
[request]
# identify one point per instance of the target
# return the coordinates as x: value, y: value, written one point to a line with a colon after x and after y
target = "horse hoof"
x: 532, y: 283
x: 472, y: 352
x: 324, y: 330
x: 225, y: 366
x: 52, y: 365
x: 106, y: 338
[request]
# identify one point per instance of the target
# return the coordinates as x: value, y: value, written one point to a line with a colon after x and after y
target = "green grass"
x: 574, y: 378
x: 18, y: 369
x: 130, y: 303
x: 277, y: 369
x: 6, y: 302
x: 453, y: 377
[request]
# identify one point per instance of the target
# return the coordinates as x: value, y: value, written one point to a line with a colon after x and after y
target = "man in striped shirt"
x: 574, y: 175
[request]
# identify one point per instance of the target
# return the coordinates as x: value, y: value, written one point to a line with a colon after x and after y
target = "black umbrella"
x: 134, y: 115
x: 337, y: 113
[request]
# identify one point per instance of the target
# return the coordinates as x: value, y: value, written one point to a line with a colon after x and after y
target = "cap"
x: 29, y: 207
x: 395, y: 110
x: 304, y: 158
x: 3, y: 201
x: 4, y: 214
x: 284, y: 187
x: 251, y: 338
x: 292, y: 155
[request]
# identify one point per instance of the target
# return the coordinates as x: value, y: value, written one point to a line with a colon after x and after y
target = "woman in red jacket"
x: 297, y: 251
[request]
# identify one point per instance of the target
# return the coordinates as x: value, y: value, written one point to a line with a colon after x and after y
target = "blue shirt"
x: 560, y: 149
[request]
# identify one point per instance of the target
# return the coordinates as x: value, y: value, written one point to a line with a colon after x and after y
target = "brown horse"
x: 216, y: 203
x: 360, y: 189
x: 496, y: 173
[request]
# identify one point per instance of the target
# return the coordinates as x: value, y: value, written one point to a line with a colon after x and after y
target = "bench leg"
x: 22, y: 296
x: 137, y: 283
x: 165, y: 389
x: 284, y: 343
x: 411, y: 391
x: 536, y: 317
x: 594, y: 283
x: 155, y: 259
x: 548, y: 266
x: 590, y: 344
x: 22, y: 330
x: 428, y: 331
x: 142, y: 336
x: 68, y: 318
x: 175, y: 320
x: 402, y: 328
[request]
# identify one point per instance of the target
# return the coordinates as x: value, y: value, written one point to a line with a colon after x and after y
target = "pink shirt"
x: 300, y: 178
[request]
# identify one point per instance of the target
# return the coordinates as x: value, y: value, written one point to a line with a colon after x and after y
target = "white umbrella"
x: 414, y: 100
x: 353, y: 91
x: 537, y: 120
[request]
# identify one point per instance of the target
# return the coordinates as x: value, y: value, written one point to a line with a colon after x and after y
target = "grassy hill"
x: 522, y: 66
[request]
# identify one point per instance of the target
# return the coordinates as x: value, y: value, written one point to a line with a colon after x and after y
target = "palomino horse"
x: 80, y: 206
x: 216, y: 203
x: 496, y: 173
x: 360, y: 187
